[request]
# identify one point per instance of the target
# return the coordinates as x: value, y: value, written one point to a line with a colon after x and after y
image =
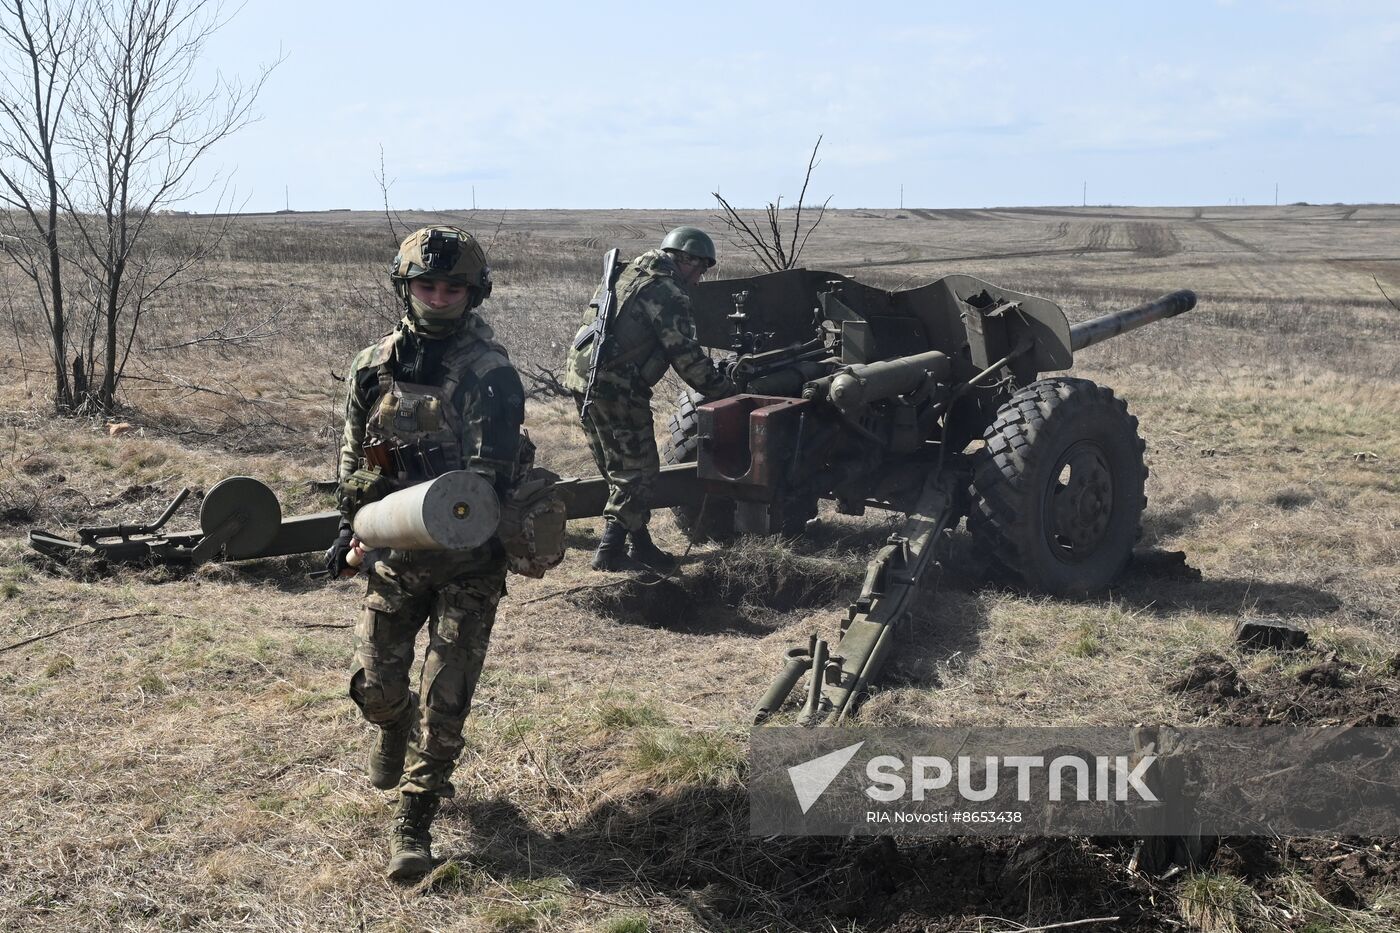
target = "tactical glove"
x: 337, y: 553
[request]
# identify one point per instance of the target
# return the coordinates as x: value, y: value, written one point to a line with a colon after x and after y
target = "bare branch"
x: 806, y: 180
x: 776, y: 233
x: 500, y: 223
x: 389, y: 216
x: 749, y: 238
x: 810, y: 230
x: 1383, y: 292
x: 263, y: 330
x: 36, y: 79
x: 766, y: 241
x: 545, y: 383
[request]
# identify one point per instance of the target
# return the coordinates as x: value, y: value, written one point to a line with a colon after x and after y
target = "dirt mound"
x: 1331, y: 692
x: 765, y: 573
x: 738, y: 588
x: 1209, y: 679
x: 694, y: 842
x: 1349, y: 873
x: 944, y: 883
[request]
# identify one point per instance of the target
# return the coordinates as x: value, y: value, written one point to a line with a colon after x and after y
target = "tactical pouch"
x: 585, y: 335
x: 429, y: 415
x: 533, y: 520
x: 378, y: 454
x: 361, y: 488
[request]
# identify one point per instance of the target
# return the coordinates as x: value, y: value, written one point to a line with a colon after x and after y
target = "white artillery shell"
x: 456, y: 510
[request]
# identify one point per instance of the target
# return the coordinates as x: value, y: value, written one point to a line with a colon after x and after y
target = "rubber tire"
x: 1020, y: 465
x: 717, y: 523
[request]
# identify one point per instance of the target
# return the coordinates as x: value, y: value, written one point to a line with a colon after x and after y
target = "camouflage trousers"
x: 623, y: 442
x: 456, y: 594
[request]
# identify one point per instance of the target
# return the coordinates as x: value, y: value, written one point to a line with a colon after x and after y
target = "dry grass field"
x: 178, y: 751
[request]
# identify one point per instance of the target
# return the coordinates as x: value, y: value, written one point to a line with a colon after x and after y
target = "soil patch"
x: 734, y: 590
x: 1329, y: 693
x: 1349, y: 872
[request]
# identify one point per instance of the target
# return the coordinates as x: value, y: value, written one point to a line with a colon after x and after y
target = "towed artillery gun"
x: 926, y: 402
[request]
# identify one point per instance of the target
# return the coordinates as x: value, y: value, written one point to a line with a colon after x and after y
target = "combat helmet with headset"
x: 441, y: 252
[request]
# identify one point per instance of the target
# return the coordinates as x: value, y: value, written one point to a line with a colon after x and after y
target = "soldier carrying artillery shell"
x: 436, y: 395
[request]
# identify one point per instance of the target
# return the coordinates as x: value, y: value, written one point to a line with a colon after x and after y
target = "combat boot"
x: 410, y: 843
x: 612, y: 550
x: 390, y: 746
x: 642, y: 550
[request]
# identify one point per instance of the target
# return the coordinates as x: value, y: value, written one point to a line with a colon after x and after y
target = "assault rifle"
x: 598, y: 330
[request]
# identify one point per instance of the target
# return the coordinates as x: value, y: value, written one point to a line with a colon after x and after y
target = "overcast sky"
x: 606, y: 105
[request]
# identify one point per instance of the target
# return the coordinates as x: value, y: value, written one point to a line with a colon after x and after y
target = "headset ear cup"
x: 483, y: 289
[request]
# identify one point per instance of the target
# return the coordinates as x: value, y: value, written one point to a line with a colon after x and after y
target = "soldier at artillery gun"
x: 637, y: 326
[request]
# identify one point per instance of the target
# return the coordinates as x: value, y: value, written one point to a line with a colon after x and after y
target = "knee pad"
x: 380, y: 703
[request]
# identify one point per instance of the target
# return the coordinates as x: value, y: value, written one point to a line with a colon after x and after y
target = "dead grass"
x: 196, y: 765
x: 1216, y: 903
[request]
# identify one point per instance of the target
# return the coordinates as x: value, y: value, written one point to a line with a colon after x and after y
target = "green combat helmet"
x: 446, y: 252
x: 691, y: 240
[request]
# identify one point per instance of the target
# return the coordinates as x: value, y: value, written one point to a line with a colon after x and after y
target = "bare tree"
x: 128, y: 147
x: 766, y: 240
x: 141, y: 130
x: 36, y: 82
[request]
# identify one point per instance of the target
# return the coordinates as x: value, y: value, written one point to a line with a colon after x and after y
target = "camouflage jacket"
x: 652, y: 330
x: 486, y: 396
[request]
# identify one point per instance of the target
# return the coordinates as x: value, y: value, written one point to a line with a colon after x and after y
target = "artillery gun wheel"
x: 1057, y: 492
x: 717, y: 522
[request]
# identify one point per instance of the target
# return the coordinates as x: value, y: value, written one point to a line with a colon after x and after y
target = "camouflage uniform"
x: 652, y: 331
x: 459, y: 395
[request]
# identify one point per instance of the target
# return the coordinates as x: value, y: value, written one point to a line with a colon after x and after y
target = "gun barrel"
x: 1088, y: 333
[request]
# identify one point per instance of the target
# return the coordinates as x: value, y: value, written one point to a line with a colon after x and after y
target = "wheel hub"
x: 1080, y: 502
